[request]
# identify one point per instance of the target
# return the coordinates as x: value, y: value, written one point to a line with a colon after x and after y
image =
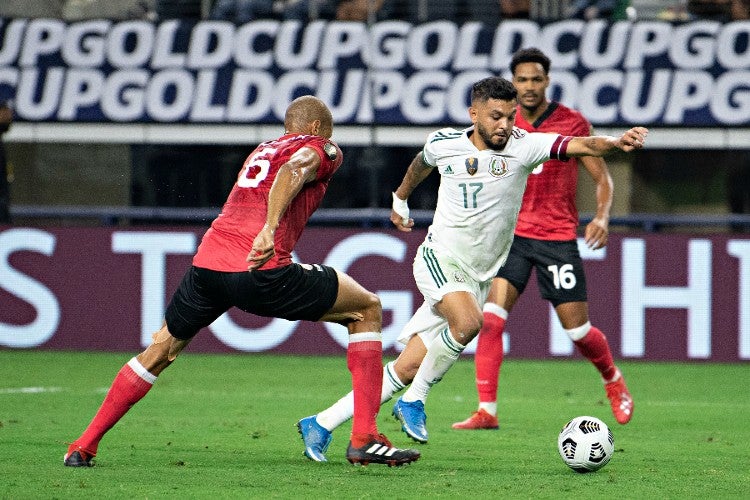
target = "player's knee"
x: 406, y: 370
x: 468, y: 326
x: 155, y: 358
x: 372, y: 310
x: 163, y: 350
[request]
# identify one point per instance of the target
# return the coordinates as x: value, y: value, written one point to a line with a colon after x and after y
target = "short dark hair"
x: 532, y: 55
x: 493, y: 87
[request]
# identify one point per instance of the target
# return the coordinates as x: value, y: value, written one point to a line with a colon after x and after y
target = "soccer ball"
x: 586, y: 444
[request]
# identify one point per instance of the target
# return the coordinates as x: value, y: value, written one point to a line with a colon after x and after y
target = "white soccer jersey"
x: 480, y: 194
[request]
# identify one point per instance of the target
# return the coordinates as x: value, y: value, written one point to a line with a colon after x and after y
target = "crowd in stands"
x: 416, y: 11
x: 369, y: 10
x: 713, y: 10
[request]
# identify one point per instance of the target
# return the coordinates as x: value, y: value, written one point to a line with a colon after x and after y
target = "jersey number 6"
x: 255, y: 168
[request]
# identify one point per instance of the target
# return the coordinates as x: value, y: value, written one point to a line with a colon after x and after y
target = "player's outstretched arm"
x: 600, y: 145
x: 300, y: 169
x: 417, y: 172
x: 596, y: 233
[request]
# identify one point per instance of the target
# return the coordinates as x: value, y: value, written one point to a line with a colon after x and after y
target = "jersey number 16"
x: 563, y: 276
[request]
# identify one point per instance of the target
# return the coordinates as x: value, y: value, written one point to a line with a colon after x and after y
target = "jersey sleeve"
x: 330, y: 156
x: 543, y: 146
x: 579, y: 125
x: 430, y: 151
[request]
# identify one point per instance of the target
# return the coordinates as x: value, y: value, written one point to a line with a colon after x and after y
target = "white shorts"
x: 437, y: 275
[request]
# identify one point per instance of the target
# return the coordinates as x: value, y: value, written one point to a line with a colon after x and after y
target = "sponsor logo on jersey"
x: 459, y: 277
x: 448, y: 170
x: 471, y: 165
x: 498, y: 166
x: 330, y: 150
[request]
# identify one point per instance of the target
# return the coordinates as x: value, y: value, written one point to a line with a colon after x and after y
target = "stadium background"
x: 87, y: 191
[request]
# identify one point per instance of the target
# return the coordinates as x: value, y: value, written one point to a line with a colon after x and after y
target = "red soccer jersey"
x: 548, y: 210
x: 228, y: 241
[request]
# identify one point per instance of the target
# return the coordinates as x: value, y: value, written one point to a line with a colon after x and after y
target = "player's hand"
x: 401, y: 223
x: 400, y: 215
x: 262, y: 250
x: 633, y: 139
x: 596, y: 234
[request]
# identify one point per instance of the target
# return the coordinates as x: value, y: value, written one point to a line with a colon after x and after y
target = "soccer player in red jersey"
x: 244, y: 261
x: 545, y: 240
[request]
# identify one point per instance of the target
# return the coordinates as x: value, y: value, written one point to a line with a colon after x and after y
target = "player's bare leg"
x: 410, y: 359
x: 464, y: 317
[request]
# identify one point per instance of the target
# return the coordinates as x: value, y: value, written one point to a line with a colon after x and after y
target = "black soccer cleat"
x: 380, y: 451
x: 77, y: 457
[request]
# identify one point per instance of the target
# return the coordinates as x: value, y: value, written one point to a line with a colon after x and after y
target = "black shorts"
x: 291, y: 292
x: 559, y: 269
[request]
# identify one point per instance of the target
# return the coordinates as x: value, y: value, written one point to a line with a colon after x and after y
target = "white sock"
x: 343, y: 409
x: 614, y: 379
x: 490, y: 408
x: 141, y: 371
x: 441, y: 355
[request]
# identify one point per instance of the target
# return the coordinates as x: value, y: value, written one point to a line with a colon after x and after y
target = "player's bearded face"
x: 494, y: 122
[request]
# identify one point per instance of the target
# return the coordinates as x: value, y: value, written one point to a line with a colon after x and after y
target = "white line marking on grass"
x: 29, y: 390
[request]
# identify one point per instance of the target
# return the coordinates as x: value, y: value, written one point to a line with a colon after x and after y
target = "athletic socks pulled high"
x: 130, y: 385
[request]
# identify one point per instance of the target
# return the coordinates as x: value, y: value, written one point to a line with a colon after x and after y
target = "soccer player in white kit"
x: 483, y: 175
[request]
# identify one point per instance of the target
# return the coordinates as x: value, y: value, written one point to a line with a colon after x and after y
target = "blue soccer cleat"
x: 412, y: 418
x: 316, y: 438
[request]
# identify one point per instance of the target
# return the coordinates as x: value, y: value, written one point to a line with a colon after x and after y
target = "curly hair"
x: 493, y: 87
x: 532, y: 55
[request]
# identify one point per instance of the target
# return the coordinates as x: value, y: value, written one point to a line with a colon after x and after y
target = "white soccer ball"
x: 586, y: 444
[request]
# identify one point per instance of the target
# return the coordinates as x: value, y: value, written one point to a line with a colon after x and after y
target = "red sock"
x: 594, y: 346
x: 489, y: 357
x: 126, y: 390
x: 364, y: 358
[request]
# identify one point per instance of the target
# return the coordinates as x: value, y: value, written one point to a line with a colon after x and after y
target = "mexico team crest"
x: 498, y: 166
x: 471, y: 165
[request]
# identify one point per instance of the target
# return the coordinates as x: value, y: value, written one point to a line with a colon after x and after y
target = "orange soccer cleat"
x: 620, y: 399
x: 478, y: 420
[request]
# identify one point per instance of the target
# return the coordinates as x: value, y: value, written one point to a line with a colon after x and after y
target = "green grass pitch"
x: 223, y: 426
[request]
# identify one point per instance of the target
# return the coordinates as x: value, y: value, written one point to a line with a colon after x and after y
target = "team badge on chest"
x: 498, y: 166
x: 472, y: 164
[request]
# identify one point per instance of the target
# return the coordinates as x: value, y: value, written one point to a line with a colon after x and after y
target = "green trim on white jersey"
x: 480, y: 195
